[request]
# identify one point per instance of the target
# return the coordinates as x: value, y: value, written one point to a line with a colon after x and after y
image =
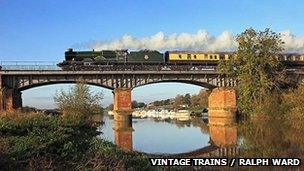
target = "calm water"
x: 163, y: 137
x: 256, y: 138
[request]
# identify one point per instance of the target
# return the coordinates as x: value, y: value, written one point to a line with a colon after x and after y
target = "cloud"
x: 201, y: 41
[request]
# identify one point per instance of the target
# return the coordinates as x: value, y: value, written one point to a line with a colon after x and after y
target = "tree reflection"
x: 273, y: 137
x: 264, y: 138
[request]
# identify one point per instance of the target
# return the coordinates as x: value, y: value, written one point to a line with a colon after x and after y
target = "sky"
x: 42, y: 30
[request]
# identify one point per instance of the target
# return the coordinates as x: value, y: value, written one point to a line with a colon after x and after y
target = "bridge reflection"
x: 123, y: 130
x: 222, y: 131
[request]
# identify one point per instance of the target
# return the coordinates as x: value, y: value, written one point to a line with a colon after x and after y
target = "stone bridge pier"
x: 122, y: 124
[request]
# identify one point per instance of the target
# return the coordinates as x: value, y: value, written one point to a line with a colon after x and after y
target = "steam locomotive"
x: 96, y: 60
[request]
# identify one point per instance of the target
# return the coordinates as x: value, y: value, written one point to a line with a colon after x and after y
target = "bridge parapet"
x: 29, y: 65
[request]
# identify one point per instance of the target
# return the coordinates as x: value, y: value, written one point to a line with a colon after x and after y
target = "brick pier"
x: 10, y: 99
x: 222, y: 103
x: 122, y: 124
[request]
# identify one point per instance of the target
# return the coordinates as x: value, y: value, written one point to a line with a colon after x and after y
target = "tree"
x: 178, y: 101
x: 79, y: 100
x: 199, y: 101
x: 134, y: 104
x: 187, y: 99
x: 110, y: 107
x: 255, y: 66
x: 141, y: 104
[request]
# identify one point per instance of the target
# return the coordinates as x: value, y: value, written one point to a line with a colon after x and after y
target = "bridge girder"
x: 16, y: 81
x: 113, y: 81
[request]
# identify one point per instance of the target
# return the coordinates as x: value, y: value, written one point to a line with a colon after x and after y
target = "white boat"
x: 182, y: 115
x: 110, y: 112
x: 162, y: 114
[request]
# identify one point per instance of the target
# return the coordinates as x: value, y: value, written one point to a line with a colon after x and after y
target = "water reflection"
x: 272, y: 137
x: 223, y: 131
x: 170, y: 136
x: 122, y: 127
x: 219, y: 137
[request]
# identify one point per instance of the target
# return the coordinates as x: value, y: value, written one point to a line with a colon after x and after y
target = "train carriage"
x: 195, y: 57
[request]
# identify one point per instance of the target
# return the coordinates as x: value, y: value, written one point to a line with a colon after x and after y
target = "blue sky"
x: 43, y: 30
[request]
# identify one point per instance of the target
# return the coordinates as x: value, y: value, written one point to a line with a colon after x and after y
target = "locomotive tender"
x: 96, y: 60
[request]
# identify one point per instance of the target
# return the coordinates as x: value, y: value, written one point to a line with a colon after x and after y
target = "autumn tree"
x: 255, y: 66
x: 178, y: 101
x: 110, y: 107
x: 200, y: 99
x: 79, y: 100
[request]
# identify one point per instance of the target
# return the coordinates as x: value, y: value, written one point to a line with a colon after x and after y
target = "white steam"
x: 292, y: 43
x: 201, y: 41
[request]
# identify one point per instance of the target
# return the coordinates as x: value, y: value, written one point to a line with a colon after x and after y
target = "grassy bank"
x: 36, y: 141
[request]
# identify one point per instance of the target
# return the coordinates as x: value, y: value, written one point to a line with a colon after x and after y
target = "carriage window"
x: 188, y: 56
x: 180, y: 56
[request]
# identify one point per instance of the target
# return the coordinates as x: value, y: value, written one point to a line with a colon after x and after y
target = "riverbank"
x: 38, y: 142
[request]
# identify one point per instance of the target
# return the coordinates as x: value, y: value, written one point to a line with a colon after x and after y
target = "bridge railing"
x: 29, y: 65
x: 51, y: 65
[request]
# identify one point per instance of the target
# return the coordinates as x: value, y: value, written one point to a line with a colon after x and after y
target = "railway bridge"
x: 13, y: 82
x: 221, y: 101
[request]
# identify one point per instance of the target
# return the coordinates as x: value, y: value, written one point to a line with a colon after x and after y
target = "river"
x: 255, y: 138
x: 161, y: 136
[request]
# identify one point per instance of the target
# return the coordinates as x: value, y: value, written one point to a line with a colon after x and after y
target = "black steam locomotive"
x: 75, y: 60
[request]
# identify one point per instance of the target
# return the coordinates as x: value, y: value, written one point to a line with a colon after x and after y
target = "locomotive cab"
x: 69, y: 54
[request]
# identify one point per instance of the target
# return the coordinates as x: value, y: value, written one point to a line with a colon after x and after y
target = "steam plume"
x: 201, y: 41
x: 292, y: 43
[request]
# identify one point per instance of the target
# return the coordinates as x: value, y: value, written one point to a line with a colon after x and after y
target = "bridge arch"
x: 191, y: 82
x: 29, y: 86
